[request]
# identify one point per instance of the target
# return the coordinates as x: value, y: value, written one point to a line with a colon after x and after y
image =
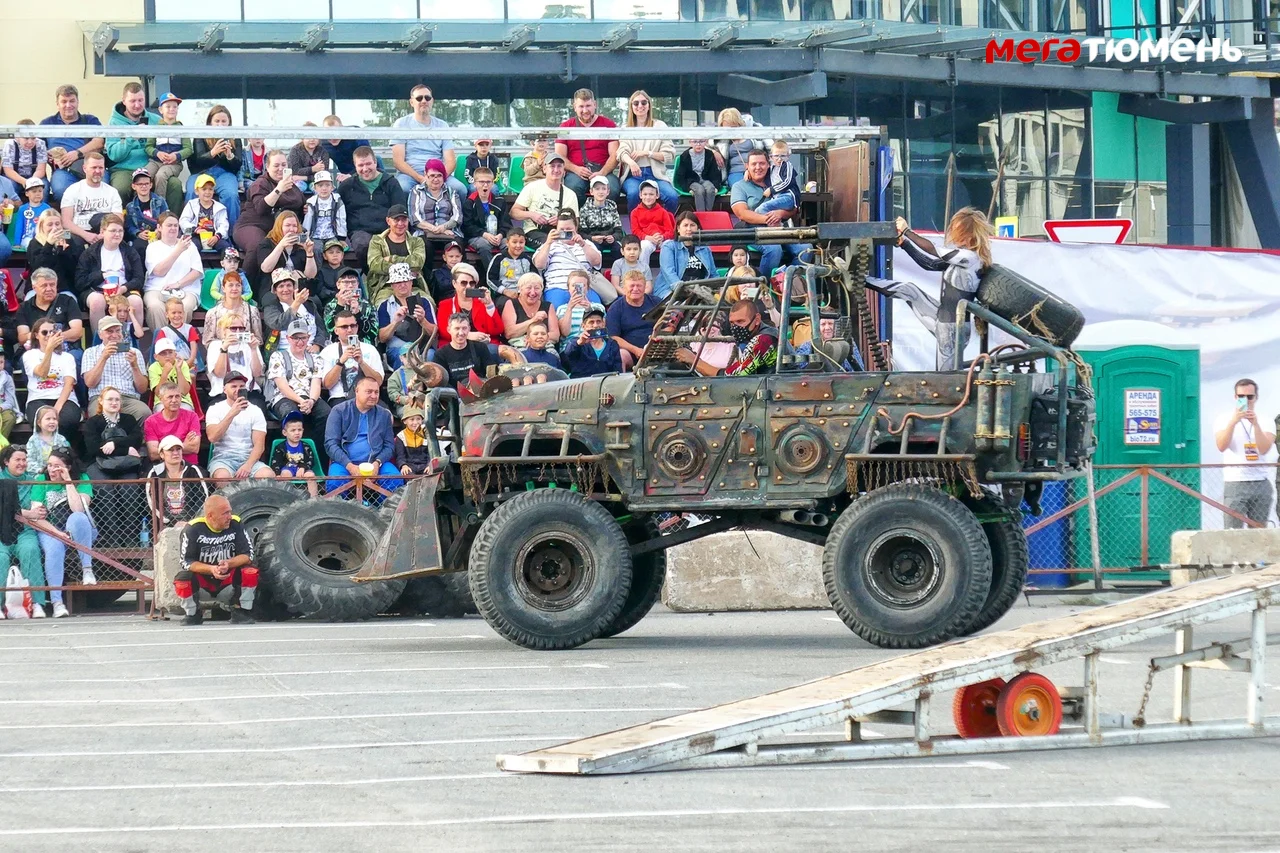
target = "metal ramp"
x: 730, y: 735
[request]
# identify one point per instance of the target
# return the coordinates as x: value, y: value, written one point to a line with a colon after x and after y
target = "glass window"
x: 713, y: 10
x: 639, y: 10
x: 284, y: 10
x: 181, y: 10
x: 1026, y: 200
x: 1023, y: 137
x: 196, y: 110
x: 534, y: 10
x: 442, y: 10
x: 374, y: 10
x: 285, y: 113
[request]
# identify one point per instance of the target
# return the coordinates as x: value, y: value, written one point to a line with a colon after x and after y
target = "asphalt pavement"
x: 120, y: 734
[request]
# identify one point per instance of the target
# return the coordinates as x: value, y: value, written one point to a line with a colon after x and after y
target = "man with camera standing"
x: 1247, y: 487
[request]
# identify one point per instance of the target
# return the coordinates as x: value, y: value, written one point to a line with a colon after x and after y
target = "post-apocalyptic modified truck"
x: 554, y: 500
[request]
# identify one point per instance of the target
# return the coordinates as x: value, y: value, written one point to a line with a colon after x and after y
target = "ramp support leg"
x: 1258, y: 666
x: 922, y: 718
x: 1091, y: 722
x: 1182, y: 643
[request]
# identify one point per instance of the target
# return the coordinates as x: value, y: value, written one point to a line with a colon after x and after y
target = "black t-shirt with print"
x: 460, y: 362
x: 63, y: 310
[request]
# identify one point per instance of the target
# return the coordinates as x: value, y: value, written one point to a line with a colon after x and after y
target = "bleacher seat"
x: 514, y: 179
x: 315, y: 454
x: 715, y: 220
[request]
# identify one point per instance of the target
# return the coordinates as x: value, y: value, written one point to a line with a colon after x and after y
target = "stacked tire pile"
x: 308, y: 550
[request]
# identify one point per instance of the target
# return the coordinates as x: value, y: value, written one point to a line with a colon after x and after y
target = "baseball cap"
x: 231, y: 252
x: 334, y: 244
x: 235, y: 376
x: 167, y: 96
x: 162, y: 345
x: 348, y: 272
x: 139, y: 173
x: 169, y: 441
x: 204, y: 179
x: 397, y: 211
x: 552, y: 157
x: 648, y: 183
x: 321, y: 176
x: 35, y: 182
x: 599, y: 179
x: 279, y: 274
x: 298, y: 327
x: 411, y: 412
x: 109, y: 322
x: 452, y: 244
x: 593, y: 311
x: 400, y: 272
x: 295, y: 415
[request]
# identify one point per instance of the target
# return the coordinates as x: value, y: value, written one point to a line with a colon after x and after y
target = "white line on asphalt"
x: 657, y: 814
x: 295, y: 626
x: 327, y: 694
x: 165, y: 645
x: 204, y: 660
x: 204, y: 724
x: 273, y: 674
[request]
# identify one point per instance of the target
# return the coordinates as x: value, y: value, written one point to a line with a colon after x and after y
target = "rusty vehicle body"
x: 553, y: 496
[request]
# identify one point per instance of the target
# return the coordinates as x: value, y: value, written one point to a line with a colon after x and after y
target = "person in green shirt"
x: 63, y: 492
x: 13, y: 466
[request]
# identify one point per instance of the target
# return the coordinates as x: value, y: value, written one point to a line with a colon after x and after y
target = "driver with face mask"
x: 756, y: 344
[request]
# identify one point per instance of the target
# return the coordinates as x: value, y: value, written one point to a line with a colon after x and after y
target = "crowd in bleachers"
x: 168, y: 301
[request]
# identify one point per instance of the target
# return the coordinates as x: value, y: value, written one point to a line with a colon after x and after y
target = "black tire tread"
x: 246, y: 496
x: 648, y: 574
x: 1015, y: 297
x: 299, y: 591
x: 1010, y: 562
x: 975, y: 544
x: 496, y: 526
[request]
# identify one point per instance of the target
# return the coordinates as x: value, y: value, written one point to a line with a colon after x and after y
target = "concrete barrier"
x: 1217, y: 553
x: 167, y: 563
x: 744, y: 571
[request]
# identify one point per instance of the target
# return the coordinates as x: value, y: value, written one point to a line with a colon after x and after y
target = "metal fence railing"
x: 1113, y: 528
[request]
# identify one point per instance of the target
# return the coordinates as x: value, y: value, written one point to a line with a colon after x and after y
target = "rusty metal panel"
x: 410, y: 545
x: 682, y: 393
x: 807, y: 388
x: 936, y: 389
x: 517, y: 416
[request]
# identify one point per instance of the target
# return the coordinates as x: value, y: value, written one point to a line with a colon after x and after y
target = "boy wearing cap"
x: 484, y: 216
x: 293, y: 379
x: 113, y: 364
x: 142, y: 213
x: 237, y: 431
x: 22, y: 160
x: 481, y: 158
x: 230, y: 263
x: 592, y: 352
x: 206, y: 217
x: 650, y: 221
x: 325, y: 216
x: 167, y: 154
x: 293, y: 459
x: 441, y: 279
x: 412, y: 454
x: 599, y: 221
x: 168, y: 368
x: 331, y: 263
x: 27, y: 218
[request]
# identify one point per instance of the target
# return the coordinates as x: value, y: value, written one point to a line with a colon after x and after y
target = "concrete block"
x: 168, y: 562
x: 1216, y: 553
x: 744, y: 571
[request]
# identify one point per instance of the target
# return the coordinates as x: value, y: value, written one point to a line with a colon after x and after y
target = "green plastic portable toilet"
x: 1148, y: 409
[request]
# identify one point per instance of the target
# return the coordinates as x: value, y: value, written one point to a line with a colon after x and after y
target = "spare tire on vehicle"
x: 1022, y: 301
x: 311, y: 551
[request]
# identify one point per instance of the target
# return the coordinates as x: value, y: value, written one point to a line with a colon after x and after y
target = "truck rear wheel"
x: 1010, y: 561
x: 311, y: 550
x: 550, y: 570
x: 907, y: 566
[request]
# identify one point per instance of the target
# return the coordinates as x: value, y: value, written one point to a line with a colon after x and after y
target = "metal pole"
x: 1258, y: 666
x: 1144, y: 517
x: 1091, y: 723
x: 1182, y: 643
x: 1095, y: 547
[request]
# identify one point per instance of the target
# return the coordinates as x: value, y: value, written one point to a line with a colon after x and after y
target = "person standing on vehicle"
x: 1247, y: 487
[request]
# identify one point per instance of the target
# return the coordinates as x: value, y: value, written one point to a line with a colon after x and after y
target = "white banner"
x: 1227, y: 303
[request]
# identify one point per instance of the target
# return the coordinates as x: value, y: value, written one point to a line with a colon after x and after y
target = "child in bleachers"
x: 442, y: 276
x: 43, y: 440
x: 292, y: 459
x: 736, y: 292
x: 651, y: 222
x: 505, y: 270
x: 230, y: 264
x: 412, y: 455
x: 168, y: 155
x: 10, y: 412
x: 205, y: 218
x: 185, y: 338
x: 783, y: 192
x: 167, y: 368
x: 629, y: 261
x: 536, y: 350
x: 130, y: 320
x: 699, y: 174
x: 142, y: 213
x: 535, y: 160
x: 254, y: 163
x: 328, y: 268
x: 23, y: 159
x: 598, y: 220
x: 482, y: 156
x: 27, y: 217
x: 326, y: 216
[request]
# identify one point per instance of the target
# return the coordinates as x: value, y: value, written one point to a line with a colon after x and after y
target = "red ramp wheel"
x: 1029, y: 705
x: 974, y: 709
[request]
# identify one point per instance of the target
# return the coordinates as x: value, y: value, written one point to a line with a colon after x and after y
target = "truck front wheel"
x: 550, y: 570
x: 907, y: 566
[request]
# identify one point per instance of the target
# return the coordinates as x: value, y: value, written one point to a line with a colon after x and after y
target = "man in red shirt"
x: 473, y: 298
x: 174, y: 420
x: 586, y: 158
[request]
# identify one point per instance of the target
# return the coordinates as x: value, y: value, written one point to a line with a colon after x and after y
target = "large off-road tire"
x: 550, y: 569
x: 268, y: 608
x: 648, y: 573
x: 256, y: 502
x: 438, y: 596
x: 907, y: 566
x: 311, y: 550
x: 1010, y: 561
x: 1026, y: 303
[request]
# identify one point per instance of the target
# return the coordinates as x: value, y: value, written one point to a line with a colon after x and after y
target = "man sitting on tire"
x: 359, y: 439
x: 216, y: 557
